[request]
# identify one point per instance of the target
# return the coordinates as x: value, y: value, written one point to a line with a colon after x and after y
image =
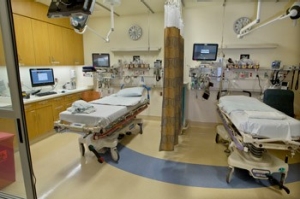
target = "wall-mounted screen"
x: 205, y: 52
x: 101, y: 60
x: 41, y: 77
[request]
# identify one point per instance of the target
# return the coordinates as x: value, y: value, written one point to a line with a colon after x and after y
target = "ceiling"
x: 138, y: 7
x: 135, y: 7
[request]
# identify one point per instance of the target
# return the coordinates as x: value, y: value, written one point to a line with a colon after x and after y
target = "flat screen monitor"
x: 205, y: 52
x: 101, y: 60
x: 41, y: 77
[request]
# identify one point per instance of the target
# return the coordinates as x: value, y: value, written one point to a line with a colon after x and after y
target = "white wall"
x: 202, y: 24
x: 62, y: 73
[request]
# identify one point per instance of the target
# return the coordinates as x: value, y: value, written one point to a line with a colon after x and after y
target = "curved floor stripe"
x: 189, y: 174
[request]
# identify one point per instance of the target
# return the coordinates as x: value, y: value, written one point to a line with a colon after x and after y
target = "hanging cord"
x: 222, y: 53
x: 297, y: 81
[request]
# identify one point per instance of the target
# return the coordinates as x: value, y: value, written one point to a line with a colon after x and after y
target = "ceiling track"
x: 149, y: 8
x: 106, y: 8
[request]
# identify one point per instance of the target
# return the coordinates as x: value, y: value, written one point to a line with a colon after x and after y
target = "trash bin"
x: 7, y: 161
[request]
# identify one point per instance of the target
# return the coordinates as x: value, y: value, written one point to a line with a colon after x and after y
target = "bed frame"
x: 98, y: 138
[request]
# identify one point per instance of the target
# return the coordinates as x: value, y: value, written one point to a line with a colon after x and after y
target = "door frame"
x: 17, y: 112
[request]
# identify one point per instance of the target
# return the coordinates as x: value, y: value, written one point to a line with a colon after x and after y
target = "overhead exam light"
x: 293, y: 12
x: 77, y: 10
x: 112, y: 3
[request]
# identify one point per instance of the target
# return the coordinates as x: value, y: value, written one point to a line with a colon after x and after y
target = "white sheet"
x: 105, y: 114
x: 236, y: 108
x: 119, y: 101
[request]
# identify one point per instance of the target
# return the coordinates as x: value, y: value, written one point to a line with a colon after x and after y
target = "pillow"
x: 131, y: 92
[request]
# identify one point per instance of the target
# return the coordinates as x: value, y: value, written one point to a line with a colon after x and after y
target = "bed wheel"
x: 82, y: 149
x: 114, y: 154
x: 100, y: 160
x: 282, y: 178
x: 229, y: 175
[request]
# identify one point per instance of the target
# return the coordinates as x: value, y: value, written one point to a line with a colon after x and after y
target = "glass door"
x: 16, y: 176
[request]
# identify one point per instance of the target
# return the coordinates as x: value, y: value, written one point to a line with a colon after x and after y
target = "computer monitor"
x: 205, y: 52
x: 41, y: 77
x: 101, y: 61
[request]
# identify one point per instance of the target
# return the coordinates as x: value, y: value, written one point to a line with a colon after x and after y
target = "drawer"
x: 43, y: 103
x: 57, y: 101
x: 29, y: 107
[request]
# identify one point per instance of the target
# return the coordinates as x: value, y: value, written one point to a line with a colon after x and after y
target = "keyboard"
x: 46, y: 93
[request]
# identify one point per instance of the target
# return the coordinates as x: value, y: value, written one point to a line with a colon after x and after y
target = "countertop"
x: 6, y: 101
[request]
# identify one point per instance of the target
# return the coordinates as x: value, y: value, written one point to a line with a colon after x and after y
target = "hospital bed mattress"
x: 108, y: 110
x: 271, y: 123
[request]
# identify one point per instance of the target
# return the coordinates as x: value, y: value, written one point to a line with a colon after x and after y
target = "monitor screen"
x: 205, y: 52
x: 101, y: 60
x: 41, y: 77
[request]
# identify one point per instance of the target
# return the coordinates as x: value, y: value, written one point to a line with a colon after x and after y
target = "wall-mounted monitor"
x: 41, y: 77
x: 101, y: 60
x: 205, y: 52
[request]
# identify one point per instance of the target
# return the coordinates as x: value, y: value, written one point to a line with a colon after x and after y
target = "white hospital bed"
x: 254, y: 127
x: 112, y: 116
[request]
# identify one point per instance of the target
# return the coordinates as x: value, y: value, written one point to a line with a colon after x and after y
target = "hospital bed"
x: 253, y: 127
x: 102, y: 122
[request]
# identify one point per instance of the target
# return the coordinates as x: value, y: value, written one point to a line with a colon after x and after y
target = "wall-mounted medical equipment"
x: 242, y: 64
x: 293, y: 13
x: 101, y: 61
x: 205, y: 52
x: 158, y: 69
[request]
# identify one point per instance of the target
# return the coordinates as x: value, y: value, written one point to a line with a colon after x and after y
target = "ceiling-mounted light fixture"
x: 112, y: 3
x: 293, y: 13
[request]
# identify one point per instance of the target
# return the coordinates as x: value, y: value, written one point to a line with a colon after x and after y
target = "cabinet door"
x: 55, y: 44
x: 2, y: 59
x: 58, y: 105
x: 78, y: 49
x: 41, y: 43
x: 31, y: 124
x: 44, y: 120
x: 67, y: 45
x: 24, y: 39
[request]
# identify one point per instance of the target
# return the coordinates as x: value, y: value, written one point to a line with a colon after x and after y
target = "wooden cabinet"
x: 41, y: 43
x: 44, y: 119
x: 55, y: 44
x: 31, y: 118
x: 72, y: 47
x: 40, y: 116
x: 58, y: 105
x: 2, y: 57
x: 68, y: 48
x: 78, y: 49
x: 24, y: 39
x: 39, y: 119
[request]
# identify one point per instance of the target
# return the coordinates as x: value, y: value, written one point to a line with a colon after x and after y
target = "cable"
x: 259, y: 84
x: 297, y: 82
